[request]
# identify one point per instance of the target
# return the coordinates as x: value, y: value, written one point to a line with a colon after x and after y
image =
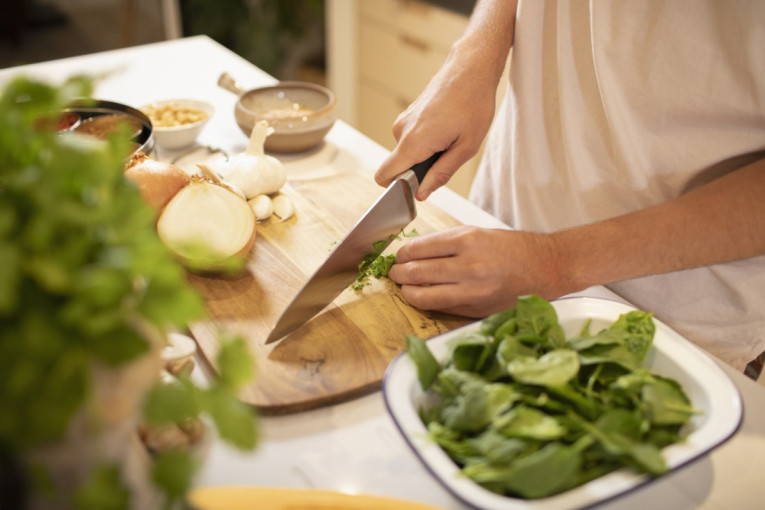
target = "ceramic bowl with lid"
x: 301, y: 113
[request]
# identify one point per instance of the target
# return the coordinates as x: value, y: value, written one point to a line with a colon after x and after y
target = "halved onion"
x: 207, y: 226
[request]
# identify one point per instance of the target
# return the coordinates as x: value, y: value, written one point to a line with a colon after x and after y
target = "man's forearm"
x: 721, y: 221
x: 488, y: 36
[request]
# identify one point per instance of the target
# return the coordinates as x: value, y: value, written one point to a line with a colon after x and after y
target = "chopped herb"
x: 377, y: 265
x: 374, y: 265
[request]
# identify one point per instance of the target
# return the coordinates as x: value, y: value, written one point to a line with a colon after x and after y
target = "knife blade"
x: 382, y: 223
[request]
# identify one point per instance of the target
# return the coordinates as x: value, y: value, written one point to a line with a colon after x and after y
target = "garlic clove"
x: 284, y: 208
x: 262, y: 206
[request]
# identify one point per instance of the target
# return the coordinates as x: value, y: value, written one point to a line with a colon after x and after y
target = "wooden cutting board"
x: 341, y: 353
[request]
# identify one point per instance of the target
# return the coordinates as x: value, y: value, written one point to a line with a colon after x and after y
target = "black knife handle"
x: 421, y: 168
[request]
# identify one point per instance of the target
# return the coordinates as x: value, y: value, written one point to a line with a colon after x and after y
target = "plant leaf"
x: 173, y: 471
x: 235, y: 421
x: 103, y: 490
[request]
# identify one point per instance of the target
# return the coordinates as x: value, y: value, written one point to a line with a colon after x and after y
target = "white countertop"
x: 354, y: 447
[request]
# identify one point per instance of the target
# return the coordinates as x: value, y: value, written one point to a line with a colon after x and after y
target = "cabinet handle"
x: 418, y: 8
x: 414, y: 43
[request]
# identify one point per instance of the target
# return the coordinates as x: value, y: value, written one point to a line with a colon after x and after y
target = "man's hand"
x: 475, y: 272
x: 454, y: 112
x: 452, y: 115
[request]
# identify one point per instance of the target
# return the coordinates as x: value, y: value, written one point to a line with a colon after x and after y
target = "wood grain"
x: 341, y: 353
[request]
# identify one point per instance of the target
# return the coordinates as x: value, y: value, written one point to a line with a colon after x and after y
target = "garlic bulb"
x: 253, y: 171
x: 206, y: 225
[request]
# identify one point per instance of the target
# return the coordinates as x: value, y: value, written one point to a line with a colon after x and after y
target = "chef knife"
x: 382, y: 223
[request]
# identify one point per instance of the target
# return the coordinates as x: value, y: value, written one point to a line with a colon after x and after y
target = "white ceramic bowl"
x: 177, y: 122
x: 707, y: 386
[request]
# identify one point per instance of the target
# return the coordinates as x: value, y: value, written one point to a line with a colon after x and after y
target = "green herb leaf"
x: 235, y: 365
x: 173, y: 471
x: 81, y: 271
x: 102, y: 491
x: 171, y: 402
x: 235, y: 421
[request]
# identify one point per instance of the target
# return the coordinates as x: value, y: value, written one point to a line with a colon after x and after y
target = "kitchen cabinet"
x: 381, y: 55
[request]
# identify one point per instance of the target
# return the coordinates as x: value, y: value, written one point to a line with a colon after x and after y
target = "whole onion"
x: 158, y: 182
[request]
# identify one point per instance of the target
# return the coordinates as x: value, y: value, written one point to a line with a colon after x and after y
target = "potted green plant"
x: 88, y: 294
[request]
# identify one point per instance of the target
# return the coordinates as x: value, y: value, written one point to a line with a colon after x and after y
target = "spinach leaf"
x: 490, y: 324
x: 469, y: 403
x: 586, y: 406
x: 616, y: 354
x: 545, y: 472
x: 537, y: 319
x: 529, y: 423
x: 508, y: 328
x: 554, y: 368
x: 663, y: 400
x: 497, y: 448
x: 511, y: 348
x: 640, y: 329
x: 471, y: 352
x: 616, y: 437
x: 458, y: 448
x: 427, y: 366
x: 666, y: 402
x: 539, y: 474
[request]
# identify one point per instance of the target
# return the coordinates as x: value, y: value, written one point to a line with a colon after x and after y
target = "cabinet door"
x: 377, y: 113
x: 439, y: 26
x: 399, y: 63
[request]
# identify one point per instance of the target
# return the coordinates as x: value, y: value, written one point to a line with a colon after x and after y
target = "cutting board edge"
x: 313, y: 402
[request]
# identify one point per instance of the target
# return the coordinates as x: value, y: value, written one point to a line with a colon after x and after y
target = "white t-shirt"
x: 614, y: 106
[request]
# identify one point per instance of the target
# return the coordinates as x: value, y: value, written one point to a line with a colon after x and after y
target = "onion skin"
x: 157, y: 182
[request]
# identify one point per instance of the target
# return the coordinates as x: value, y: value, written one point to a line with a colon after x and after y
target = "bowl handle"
x: 228, y: 82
